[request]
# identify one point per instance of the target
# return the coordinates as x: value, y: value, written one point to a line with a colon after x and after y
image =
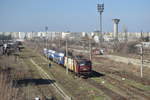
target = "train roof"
x: 79, y: 58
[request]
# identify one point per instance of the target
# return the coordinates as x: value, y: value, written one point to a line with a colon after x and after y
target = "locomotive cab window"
x: 85, y: 63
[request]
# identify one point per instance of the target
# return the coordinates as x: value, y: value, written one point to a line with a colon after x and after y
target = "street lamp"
x: 100, y: 8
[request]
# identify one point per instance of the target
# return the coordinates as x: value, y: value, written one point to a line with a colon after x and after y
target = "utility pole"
x: 90, y: 46
x: 141, y: 50
x: 46, y: 28
x: 90, y: 49
x: 100, y: 8
x: 32, y: 35
x: 125, y: 34
x: 148, y: 37
x: 59, y: 39
x: 51, y: 37
x: 67, y: 54
x: 141, y: 35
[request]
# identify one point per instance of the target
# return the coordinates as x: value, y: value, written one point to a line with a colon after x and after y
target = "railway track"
x: 130, y: 91
x: 56, y: 87
x: 128, y: 88
x: 40, y: 88
x: 112, y: 70
x: 107, y: 91
x: 113, y: 95
x: 123, y: 86
x: 43, y: 89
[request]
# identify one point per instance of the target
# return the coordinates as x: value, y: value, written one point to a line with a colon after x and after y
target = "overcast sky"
x: 73, y: 15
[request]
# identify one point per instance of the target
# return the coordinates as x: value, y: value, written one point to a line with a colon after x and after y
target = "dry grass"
x: 8, y: 88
